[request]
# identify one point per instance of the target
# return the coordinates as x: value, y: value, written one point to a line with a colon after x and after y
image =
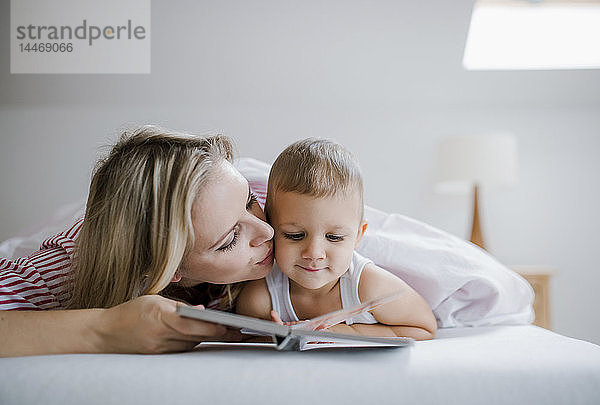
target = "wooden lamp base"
x: 476, y: 235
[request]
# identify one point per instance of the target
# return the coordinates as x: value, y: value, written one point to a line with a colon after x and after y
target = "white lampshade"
x: 488, y: 160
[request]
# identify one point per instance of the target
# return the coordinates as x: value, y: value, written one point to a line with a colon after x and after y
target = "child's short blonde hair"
x: 315, y: 167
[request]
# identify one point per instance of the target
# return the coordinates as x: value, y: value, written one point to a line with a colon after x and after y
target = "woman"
x: 167, y: 213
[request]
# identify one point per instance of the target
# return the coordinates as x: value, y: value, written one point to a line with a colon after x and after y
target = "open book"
x: 304, y: 335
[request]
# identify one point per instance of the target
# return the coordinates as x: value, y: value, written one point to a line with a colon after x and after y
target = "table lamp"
x: 471, y: 162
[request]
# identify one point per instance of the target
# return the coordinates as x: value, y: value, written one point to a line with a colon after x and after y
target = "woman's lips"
x: 268, y: 259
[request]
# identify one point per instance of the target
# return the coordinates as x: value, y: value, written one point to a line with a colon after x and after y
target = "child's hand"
x: 293, y: 323
x: 277, y: 319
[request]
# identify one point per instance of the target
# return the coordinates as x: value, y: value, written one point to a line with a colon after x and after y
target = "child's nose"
x: 313, y: 250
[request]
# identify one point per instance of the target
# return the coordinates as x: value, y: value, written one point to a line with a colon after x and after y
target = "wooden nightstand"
x: 539, y: 278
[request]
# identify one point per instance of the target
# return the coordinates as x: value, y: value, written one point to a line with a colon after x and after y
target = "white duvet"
x: 463, y: 284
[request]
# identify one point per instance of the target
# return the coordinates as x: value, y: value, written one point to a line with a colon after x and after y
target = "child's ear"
x: 176, y: 277
x: 362, y: 228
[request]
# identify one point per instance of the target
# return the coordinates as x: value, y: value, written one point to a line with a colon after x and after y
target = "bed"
x: 491, y: 365
x: 486, y: 350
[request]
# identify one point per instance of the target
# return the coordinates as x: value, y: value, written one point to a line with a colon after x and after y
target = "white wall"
x: 383, y: 77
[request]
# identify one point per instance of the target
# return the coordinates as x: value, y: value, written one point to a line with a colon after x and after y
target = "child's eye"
x: 294, y: 236
x: 334, y: 238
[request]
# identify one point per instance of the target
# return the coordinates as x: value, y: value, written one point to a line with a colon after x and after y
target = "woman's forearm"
x: 147, y: 324
x: 25, y: 333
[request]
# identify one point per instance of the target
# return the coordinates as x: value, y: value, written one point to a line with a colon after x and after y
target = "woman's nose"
x: 313, y: 250
x: 263, y: 232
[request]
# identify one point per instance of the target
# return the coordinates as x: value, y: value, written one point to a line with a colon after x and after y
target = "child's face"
x: 315, y: 237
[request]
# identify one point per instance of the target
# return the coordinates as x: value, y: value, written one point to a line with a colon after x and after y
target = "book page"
x: 333, y: 318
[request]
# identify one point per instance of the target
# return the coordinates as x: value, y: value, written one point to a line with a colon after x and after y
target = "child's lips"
x: 310, y: 268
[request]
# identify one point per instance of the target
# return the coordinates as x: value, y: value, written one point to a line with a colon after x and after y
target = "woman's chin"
x: 262, y: 271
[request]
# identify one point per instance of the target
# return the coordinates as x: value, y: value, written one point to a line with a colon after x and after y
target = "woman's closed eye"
x: 230, y: 244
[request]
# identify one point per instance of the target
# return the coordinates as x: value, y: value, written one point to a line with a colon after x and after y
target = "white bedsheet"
x: 483, y: 365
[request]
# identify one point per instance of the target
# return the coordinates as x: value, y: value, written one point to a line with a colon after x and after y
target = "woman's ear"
x: 362, y: 228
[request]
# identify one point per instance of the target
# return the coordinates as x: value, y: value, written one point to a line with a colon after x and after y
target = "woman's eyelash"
x: 231, y: 245
x: 236, y: 232
x: 251, y: 201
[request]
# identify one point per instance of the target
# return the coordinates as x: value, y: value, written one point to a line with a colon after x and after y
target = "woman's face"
x: 232, y: 240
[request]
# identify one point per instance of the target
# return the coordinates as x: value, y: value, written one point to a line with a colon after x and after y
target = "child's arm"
x: 255, y: 300
x: 409, y: 315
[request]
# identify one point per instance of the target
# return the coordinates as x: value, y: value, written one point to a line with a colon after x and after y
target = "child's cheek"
x: 279, y: 248
x: 285, y: 252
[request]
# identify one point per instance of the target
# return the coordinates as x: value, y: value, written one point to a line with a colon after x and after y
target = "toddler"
x: 315, y: 204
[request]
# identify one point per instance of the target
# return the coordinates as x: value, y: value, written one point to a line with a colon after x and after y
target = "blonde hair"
x: 138, y: 227
x: 315, y: 167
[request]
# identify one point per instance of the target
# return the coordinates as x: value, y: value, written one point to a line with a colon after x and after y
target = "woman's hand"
x: 149, y: 324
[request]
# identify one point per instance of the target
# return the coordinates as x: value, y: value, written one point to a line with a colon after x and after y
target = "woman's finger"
x: 189, y: 329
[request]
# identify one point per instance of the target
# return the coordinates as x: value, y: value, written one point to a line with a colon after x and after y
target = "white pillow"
x: 59, y: 221
x: 463, y: 284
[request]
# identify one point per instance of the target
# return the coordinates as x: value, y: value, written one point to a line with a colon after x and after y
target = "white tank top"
x: 279, y: 288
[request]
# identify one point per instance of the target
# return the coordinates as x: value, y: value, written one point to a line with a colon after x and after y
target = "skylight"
x: 531, y: 35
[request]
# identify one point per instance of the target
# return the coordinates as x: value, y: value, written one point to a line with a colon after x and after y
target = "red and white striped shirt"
x: 40, y: 281
x: 259, y: 189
